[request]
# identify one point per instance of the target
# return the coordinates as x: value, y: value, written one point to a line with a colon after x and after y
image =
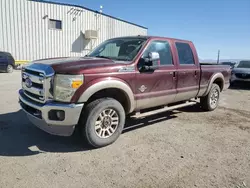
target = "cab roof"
x: 151, y: 37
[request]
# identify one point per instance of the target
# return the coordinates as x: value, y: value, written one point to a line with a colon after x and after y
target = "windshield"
x: 120, y: 49
x: 244, y: 64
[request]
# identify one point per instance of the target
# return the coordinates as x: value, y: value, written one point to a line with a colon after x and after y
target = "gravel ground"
x: 181, y: 148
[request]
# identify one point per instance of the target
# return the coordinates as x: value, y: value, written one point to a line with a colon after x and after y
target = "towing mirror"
x: 152, y: 57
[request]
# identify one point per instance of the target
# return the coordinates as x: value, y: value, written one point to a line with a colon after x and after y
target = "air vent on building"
x: 91, y: 34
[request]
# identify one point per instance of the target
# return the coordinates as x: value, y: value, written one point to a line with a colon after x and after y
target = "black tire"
x: 90, y: 116
x: 9, y: 69
x: 205, y: 102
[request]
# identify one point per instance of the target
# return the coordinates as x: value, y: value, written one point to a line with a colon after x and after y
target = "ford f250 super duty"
x: 121, y: 76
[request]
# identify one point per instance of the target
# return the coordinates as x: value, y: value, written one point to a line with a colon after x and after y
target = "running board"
x: 157, y: 110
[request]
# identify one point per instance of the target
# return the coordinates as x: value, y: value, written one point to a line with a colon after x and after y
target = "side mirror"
x: 152, y: 57
x: 150, y: 62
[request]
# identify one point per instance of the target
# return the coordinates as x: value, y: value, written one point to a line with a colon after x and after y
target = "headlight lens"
x: 65, y: 86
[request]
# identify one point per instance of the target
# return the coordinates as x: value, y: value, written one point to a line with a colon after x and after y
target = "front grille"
x: 242, y: 75
x: 36, y: 84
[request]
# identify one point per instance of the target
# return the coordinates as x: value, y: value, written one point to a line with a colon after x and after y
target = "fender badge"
x: 142, y: 88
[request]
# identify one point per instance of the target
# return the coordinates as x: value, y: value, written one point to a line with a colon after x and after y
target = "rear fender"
x: 212, y: 80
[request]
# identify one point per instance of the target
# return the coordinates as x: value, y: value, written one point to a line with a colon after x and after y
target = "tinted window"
x: 55, y: 24
x: 163, y: 48
x: 185, y: 53
x: 244, y: 64
x: 2, y: 55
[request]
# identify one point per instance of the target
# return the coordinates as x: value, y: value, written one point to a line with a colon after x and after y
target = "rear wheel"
x: 9, y: 69
x: 102, y: 122
x: 211, y: 100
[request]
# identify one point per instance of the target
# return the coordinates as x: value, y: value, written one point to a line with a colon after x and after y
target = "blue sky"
x: 210, y: 24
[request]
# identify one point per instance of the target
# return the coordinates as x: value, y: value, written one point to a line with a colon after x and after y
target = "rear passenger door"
x: 155, y: 88
x: 188, y: 72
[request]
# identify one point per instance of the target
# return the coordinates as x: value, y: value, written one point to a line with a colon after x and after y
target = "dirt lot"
x: 182, y: 148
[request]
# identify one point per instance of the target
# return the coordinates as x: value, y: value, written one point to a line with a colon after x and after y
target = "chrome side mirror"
x: 153, y: 56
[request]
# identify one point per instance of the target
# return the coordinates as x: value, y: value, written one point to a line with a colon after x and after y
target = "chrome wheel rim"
x: 214, y: 98
x: 106, y: 123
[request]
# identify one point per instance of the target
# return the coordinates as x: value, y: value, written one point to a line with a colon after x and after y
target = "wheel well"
x: 219, y: 82
x: 114, y: 93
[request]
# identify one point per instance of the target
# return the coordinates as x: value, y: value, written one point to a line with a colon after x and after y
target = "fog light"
x: 56, y: 115
x: 60, y: 115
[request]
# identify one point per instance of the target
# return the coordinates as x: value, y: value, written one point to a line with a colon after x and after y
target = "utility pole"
x: 218, y: 57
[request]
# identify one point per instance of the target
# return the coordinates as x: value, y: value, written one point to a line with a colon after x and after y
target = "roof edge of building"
x: 83, y: 7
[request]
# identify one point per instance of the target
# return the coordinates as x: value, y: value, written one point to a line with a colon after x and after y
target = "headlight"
x: 65, y: 86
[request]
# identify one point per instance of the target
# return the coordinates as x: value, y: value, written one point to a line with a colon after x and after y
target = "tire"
x: 214, y: 94
x: 95, y: 129
x: 9, y: 69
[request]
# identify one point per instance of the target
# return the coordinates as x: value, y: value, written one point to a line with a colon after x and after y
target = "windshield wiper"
x: 101, y: 56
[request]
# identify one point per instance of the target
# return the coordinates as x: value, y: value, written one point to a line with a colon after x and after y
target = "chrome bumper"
x: 38, y: 114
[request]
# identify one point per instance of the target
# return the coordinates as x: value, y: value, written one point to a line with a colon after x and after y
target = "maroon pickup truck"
x: 121, y: 76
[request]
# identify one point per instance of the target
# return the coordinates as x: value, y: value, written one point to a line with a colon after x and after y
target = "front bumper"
x: 38, y: 114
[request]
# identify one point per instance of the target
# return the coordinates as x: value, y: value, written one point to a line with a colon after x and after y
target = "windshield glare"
x: 120, y: 49
x: 244, y: 64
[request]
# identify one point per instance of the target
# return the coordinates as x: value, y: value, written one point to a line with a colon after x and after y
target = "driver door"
x: 158, y: 87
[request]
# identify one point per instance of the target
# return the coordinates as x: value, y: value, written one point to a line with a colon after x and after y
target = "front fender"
x: 100, y: 84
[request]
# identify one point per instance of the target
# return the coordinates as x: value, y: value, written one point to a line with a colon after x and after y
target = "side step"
x: 156, y: 110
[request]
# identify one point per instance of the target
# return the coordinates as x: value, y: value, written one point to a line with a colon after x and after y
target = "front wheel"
x: 211, y: 100
x: 103, y: 122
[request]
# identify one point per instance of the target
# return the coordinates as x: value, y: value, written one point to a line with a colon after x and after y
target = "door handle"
x: 195, y: 73
x: 174, y: 75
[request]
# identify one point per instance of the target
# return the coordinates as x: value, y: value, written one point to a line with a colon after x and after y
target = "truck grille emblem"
x: 142, y: 88
x: 28, y: 83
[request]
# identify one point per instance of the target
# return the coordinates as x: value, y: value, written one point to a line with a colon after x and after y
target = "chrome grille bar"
x: 36, y: 91
x: 34, y: 78
x: 36, y: 82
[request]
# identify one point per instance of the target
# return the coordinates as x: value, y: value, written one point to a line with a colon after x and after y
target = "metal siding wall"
x: 24, y: 30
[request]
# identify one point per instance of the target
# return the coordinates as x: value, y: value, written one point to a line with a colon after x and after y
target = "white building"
x: 35, y: 29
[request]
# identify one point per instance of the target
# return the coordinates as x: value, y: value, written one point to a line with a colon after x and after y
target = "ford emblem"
x: 28, y: 83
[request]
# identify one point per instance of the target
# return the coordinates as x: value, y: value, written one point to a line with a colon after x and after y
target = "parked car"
x: 241, y: 72
x: 230, y: 63
x: 121, y: 76
x: 7, y: 62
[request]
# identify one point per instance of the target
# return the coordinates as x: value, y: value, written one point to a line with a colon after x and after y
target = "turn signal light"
x: 76, y: 84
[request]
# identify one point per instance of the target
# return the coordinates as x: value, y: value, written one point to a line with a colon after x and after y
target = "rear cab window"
x: 185, y: 53
x: 164, y: 50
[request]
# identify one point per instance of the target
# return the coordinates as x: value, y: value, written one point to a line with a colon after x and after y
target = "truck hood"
x: 241, y: 70
x: 75, y: 65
